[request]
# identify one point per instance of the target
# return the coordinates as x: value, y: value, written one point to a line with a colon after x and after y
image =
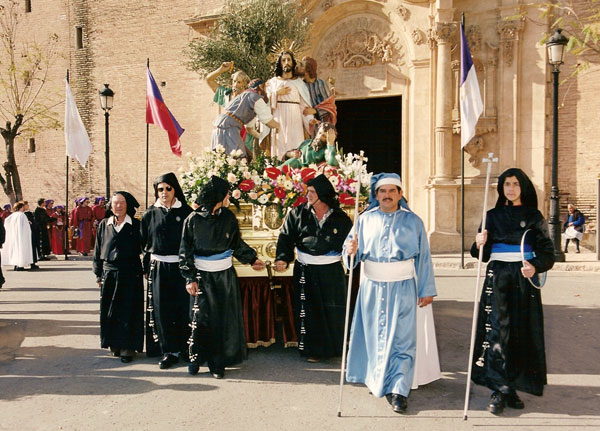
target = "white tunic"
x: 17, y: 247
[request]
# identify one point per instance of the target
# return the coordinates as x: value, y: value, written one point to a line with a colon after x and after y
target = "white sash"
x: 172, y: 258
x: 507, y: 257
x: 213, y: 265
x: 389, y: 271
x: 309, y: 259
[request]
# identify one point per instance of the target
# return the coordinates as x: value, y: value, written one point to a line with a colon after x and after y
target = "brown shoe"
x: 313, y: 360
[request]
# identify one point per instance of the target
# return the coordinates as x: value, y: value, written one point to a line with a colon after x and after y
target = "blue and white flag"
x: 471, y: 106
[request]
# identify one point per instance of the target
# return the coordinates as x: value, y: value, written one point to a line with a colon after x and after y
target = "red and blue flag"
x: 158, y: 113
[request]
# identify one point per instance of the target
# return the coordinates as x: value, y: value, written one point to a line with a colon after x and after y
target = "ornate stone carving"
x: 404, y: 12
x: 509, y: 33
x: 418, y: 36
x: 431, y: 41
x: 364, y: 45
x: 474, y: 38
x: 443, y: 32
x: 326, y: 4
x: 473, y: 149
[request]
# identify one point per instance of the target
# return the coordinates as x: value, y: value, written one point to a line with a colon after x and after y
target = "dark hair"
x: 528, y: 194
x: 278, y: 68
x: 310, y: 66
x: 41, y: 201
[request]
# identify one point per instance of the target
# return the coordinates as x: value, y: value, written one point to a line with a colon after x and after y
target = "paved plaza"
x: 54, y: 376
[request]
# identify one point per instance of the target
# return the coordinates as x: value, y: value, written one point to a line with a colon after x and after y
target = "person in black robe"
x: 118, y: 270
x: 2, y: 239
x: 317, y: 229
x: 167, y: 323
x: 509, y: 353
x: 41, y: 220
x: 211, y: 236
x: 35, y: 235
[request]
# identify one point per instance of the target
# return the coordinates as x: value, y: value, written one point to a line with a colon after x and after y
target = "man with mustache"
x: 290, y: 102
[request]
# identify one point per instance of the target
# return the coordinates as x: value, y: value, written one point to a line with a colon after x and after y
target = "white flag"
x: 471, y: 106
x: 78, y: 142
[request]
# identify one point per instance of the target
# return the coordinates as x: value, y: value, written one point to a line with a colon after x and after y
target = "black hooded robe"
x: 509, y: 349
x: 206, y: 234
x: 167, y: 316
x: 118, y: 267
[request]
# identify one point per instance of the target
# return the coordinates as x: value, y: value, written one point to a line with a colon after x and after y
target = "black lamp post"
x: 106, y: 101
x: 556, y: 53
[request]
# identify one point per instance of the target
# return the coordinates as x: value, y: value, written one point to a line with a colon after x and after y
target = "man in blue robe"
x: 397, y: 275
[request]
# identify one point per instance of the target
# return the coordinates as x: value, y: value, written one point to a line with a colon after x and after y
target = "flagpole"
x: 147, y: 145
x: 462, y: 189
x: 66, y: 226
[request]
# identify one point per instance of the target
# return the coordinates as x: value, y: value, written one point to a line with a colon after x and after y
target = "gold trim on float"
x: 260, y: 344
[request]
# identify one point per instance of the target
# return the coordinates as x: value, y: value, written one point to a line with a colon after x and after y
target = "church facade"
x: 385, y: 52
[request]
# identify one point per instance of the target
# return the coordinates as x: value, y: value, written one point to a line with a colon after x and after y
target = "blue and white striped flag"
x: 471, y: 106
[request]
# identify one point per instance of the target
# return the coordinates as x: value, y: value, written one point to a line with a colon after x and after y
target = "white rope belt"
x: 309, y: 259
x: 209, y: 265
x: 171, y: 258
x: 389, y: 271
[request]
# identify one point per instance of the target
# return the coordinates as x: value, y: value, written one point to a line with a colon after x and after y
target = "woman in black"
x: 118, y: 270
x: 509, y: 348
x: 167, y: 323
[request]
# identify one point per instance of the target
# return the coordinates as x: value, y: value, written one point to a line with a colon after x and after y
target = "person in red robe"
x: 98, y: 213
x: 72, y: 227
x: 82, y: 219
x: 58, y: 230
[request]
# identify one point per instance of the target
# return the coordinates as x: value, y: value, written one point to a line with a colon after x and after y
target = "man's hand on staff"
x: 280, y: 265
x: 192, y: 288
x: 259, y: 265
x: 528, y: 269
x: 351, y: 246
x: 423, y: 302
x: 481, y: 238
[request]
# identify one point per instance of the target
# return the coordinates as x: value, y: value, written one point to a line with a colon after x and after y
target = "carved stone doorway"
x: 375, y: 126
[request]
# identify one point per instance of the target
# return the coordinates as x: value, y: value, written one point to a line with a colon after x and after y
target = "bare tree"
x: 24, y: 107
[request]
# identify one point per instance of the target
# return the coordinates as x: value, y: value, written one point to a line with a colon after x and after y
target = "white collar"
x: 176, y: 204
x: 111, y: 220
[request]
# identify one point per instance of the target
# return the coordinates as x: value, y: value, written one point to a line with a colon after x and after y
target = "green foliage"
x: 246, y: 34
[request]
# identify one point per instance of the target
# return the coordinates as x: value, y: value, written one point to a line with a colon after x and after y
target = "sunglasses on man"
x: 168, y: 188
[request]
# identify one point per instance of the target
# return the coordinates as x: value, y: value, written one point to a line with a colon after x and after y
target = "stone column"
x: 443, y: 105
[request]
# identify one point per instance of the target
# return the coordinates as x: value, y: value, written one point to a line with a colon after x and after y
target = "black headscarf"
x: 528, y: 194
x: 170, y: 179
x: 132, y: 203
x: 325, y: 190
x: 212, y: 193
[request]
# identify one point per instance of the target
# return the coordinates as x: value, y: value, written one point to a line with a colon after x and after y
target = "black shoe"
x: 398, y: 402
x: 19, y: 268
x: 126, y: 359
x: 34, y: 266
x: 218, y: 374
x: 513, y: 401
x: 167, y: 361
x: 497, y: 402
x: 577, y: 251
x: 115, y: 352
x: 193, y: 368
x: 566, y: 251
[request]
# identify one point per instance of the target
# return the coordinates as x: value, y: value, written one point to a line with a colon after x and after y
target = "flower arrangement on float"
x: 263, y: 181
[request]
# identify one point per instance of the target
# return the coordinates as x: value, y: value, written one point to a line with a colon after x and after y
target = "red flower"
x: 350, y: 181
x: 273, y: 172
x: 286, y: 169
x: 246, y: 185
x: 300, y: 201
x: 280, y: 193
x: 307, y: 174
x: 346, y: 199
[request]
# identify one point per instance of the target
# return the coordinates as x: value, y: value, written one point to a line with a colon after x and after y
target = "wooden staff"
x: 489, y: 160
x: 343, y: 368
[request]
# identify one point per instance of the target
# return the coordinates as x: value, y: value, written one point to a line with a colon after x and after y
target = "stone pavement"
x: 54, y: 376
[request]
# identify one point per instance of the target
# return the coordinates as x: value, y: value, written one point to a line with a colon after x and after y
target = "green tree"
x: 24, y: 107
x: 247, y: 33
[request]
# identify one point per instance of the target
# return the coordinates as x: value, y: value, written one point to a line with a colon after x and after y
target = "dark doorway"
x: 374, y: 126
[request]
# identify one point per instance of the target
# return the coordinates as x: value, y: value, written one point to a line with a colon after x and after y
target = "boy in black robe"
x: 317, y: 229
x: 167, y: 322
x: 509, y: 349
x: 118, y: 270
x: 211, y: 237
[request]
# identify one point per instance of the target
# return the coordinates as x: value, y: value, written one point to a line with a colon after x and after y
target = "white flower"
x: 334, y: 180
x: 253, y: 195
x: 181, y: 169
x: 231, y: 177
x: 188, y: 154
x: 192, y: 183
x: 236, y: 194
x: 263, y: 199
x: 247, y: 175
x: 231, y: 161
x: 220, y: 148
x: 287, y: 185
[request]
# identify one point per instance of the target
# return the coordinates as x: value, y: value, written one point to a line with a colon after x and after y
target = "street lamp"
x: 106, y: 101
x: 556, y: 53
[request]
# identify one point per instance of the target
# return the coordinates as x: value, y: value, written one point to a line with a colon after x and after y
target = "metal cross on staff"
x: 489, y: 160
